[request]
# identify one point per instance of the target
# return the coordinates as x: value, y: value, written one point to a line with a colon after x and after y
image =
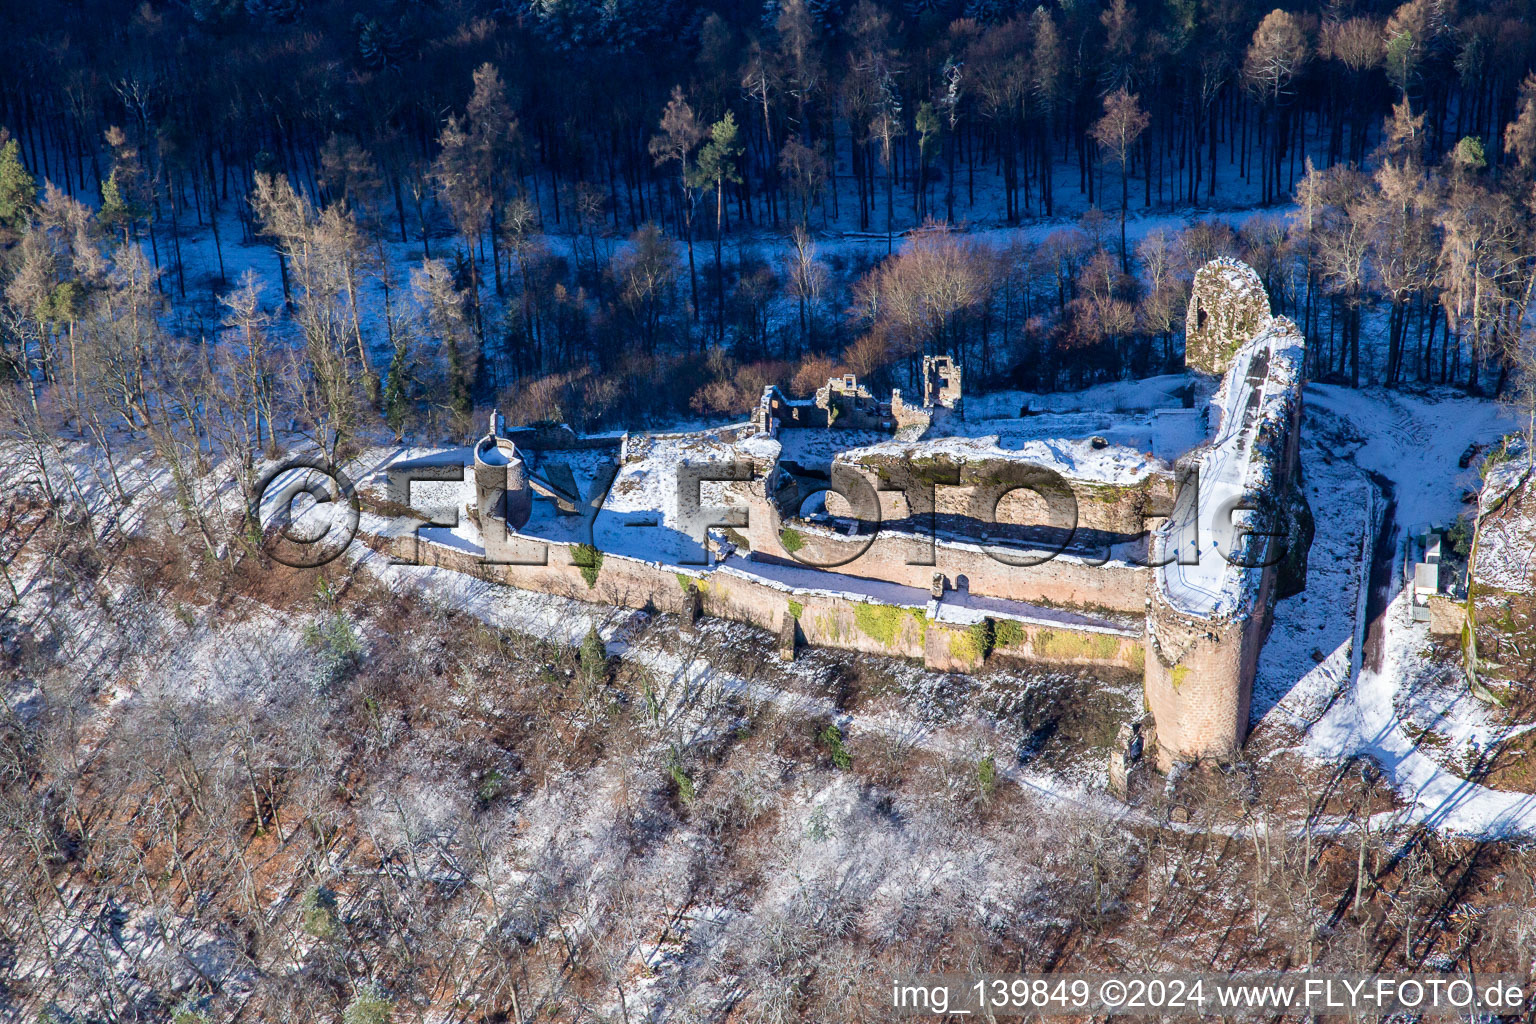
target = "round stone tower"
x: 502, y: 494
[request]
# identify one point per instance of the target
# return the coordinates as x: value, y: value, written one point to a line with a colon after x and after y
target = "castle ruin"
x: 1145, y: 528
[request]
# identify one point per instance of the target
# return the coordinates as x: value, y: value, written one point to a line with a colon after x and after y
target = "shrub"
x: 1007, y: 633
x: 1459, y: 536
x: 791, y: 540
x: 812, y: 374
x: 589, y: 560
x: 491, y: 786
x: 983, y: 637
x: 685, y: 790
x: 189, y: 1012
x: 318, y: 909
x: 652, y: 704
x: 337, y: 643
x: 1496, y: 457
x: 369, y: 1006
x: 832, y: 736
x: 594, y: 655
x: 719, y: 396
x: 986, y: 776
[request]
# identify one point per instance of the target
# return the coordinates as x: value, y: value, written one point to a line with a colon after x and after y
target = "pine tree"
x: 716, y: 166
x: 397, y: 404
x: 18, y: 189
x: 927, y: 125
x: 369, y: 1006
x: 115, y: 209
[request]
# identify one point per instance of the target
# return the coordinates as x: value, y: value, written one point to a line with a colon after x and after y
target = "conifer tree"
x: 18, y: 189
x: 717, y: 167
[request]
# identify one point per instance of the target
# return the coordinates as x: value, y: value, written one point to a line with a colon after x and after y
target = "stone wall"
x: 560, y: 437
x: 822, y: 618
x: 774, y: 405
x: 1228, y: 306
x: 852, y: 406
x: 911, y: 560
x: 1198, y: 680
x: 998, y: 491
x: 942, y: 382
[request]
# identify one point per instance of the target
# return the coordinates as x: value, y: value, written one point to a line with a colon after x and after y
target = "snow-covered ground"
x: 1365, y: 720
x: 1311, y: 646
x: 1506, y: 542
x: 1076, y: 458
x: 1413, y: 444
x: 215, y: 265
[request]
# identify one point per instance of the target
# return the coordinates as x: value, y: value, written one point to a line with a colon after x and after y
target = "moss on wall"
x: 962, y: 648
x: 827, y: 625
x: 1180, y: 672
x: 589, y: 560
x: 796, y: 608
x: 1008, y: 633
x: 881, y: 622
x: 1061, y: 645
x: 791, y: 539
x: 974, y: 643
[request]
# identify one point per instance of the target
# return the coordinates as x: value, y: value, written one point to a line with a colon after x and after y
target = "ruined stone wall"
x: 560, y: 437
x: 996, y: 491
x: 1228, y: 307
x: 775, y: 405
x: 1082, y: 647
x: 914, y: 419
x: 822, y: 619
x: 911, y: 560
x: 941, y: 382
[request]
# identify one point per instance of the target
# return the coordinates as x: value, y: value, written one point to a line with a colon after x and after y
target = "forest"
x: 624, y: 213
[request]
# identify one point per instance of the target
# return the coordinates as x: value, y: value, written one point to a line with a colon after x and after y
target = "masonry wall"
x: 911, y: 560
x: 826, y: 620
x: 1228, y: 306
x: 990, y: 490
x: 1198, y: 680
